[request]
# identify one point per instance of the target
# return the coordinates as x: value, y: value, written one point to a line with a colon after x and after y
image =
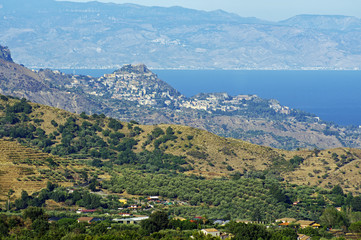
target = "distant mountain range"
x: 133, y: 92
x: 51, y: 34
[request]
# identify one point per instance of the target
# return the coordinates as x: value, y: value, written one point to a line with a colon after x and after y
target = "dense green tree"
x: 34, y: 213
x: 296, y: 161
x: 115, y: 124
x: 83, y: 115
x: 157, y: 131
x: 333, y: 218
x: 355, y: 227
x: 93, y: 185
x: 356, y: 204
x: 309, y: 231
x: 51, y: 186
x: 4, y: 228
x: 4, y: 98
x: 54, y: 123
x: 284, y: 234
x: 279, y: 194
x: 156, y: 222
x: 244, y: 231
x: 348, y: 199
x: 22, y: 202
x: 97, y: 163
x: 66, y: 223
x: 19, y: 107
x: 169, y: 131
x: 337, y: 190
x: 9, y: 194
x: 100, y: 228
x: 256, y: 215
x: 40, y: 226
x: 182, y: 225
x: 11, y: 118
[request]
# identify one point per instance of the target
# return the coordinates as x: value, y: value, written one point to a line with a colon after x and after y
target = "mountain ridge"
x: 98, y: 35
x: 5, y: 54
x: 324, y: 22
x: 18, y: 80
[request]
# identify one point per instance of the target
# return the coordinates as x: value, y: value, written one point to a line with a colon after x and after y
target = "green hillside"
x: 201, y: 173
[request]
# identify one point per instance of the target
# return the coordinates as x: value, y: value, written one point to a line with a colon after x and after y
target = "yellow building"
x: 179, y: 218
x: 124, y: 201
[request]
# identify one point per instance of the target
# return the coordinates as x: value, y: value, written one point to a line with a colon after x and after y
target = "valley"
x: 59, y: 160
x: 127, y: 156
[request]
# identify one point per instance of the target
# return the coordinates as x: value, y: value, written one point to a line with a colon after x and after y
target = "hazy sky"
x: 264, y: 9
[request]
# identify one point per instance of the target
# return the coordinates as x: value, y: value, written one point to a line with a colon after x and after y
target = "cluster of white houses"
x: 143, y: 87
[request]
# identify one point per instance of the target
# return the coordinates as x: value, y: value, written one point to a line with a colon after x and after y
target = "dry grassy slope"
x: 323, y: 170
x: 273, y: 132
x: 320, y: 170
x: 60, y: 116
x: 24, y: 168
x: 221, y: 152
x: 16, y: 77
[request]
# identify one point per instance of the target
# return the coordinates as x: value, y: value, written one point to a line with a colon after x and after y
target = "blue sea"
x: 335, y: 96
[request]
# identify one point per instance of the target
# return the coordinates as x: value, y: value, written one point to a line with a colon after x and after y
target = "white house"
x: 211, y: 231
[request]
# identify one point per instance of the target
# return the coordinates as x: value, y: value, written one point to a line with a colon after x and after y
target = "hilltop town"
x: 137, y: 84
x: 133, y: 92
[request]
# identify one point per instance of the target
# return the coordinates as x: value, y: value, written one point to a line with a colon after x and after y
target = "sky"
x: 273, y: 10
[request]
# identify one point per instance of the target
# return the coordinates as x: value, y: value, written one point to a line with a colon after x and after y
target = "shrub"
x: 83, y: 115
x: 198, y: 154
x: 4, y: 98
x: 114, y: 124
x: 229, y: 168
x: 157, y: 132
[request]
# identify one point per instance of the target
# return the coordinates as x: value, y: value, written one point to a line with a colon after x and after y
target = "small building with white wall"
x: 211, y: 231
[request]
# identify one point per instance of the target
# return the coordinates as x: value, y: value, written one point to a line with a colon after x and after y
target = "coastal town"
x: 137, y: 84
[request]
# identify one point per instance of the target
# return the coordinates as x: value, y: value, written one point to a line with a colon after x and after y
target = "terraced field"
x: 26, y: 168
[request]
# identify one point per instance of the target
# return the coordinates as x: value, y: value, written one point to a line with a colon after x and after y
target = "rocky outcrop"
x: 134, y: 68
x: 5, y: 54
x: 44, y: 86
